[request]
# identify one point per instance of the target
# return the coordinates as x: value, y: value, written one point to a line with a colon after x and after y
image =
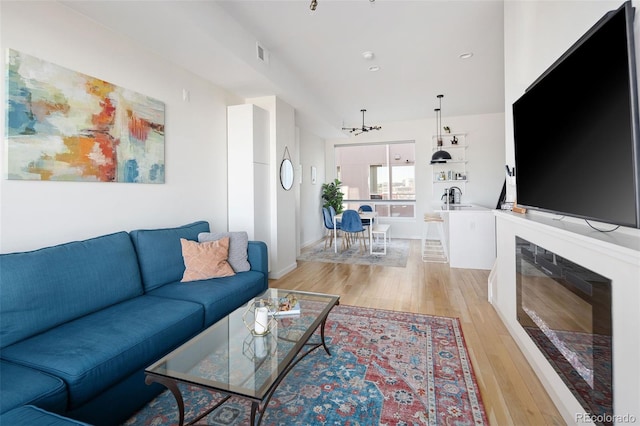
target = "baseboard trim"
x: 284, y: 271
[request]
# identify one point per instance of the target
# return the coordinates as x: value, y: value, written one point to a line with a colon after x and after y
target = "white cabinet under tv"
x: 615, y: 256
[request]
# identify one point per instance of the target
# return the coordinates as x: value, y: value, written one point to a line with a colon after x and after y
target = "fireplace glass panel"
x: 566, y: 310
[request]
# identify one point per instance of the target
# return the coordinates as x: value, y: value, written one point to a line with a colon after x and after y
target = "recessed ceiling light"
x: 466, y: 55
x: 368, y: 55
x: 374, y: 68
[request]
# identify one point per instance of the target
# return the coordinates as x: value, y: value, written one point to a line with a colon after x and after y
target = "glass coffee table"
x: 231, y: 359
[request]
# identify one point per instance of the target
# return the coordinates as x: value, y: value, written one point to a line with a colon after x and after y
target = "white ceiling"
x: 316, y: 61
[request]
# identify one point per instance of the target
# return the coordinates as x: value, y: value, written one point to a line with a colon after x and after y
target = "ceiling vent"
x: 262, y: 53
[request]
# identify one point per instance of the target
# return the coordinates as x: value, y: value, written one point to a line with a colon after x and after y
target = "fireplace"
x: 566, y: 310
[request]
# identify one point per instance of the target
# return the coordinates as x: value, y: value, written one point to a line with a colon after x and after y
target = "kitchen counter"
x: 462, y: 207
x: 470, y: 232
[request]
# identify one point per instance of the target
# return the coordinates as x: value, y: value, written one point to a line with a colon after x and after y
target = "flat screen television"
x: 577, y: 149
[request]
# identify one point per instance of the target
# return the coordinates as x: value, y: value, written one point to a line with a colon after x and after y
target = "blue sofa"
x: 80, y: 321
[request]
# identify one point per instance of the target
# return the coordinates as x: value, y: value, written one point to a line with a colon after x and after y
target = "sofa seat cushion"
x: 34, y: 416
x: 21, y: 386
x: 219, y: 296
x: 96, y: 351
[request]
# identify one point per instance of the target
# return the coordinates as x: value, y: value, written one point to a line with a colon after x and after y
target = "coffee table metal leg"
x: 175, y: 390
x: 324, y: 344
x: 254, y: 407
x: 173, y: 387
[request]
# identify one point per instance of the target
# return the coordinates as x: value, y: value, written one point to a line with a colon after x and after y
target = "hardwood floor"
x: 511, y: 392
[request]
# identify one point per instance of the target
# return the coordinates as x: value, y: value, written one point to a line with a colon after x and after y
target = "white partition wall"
x: 282, y: 142
x: 248, y: 171
x: 259, y: 135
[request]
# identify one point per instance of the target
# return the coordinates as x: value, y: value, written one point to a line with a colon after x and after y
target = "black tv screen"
x: 576, y: 129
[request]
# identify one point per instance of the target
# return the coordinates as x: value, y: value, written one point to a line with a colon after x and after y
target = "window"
x: 381, y: 175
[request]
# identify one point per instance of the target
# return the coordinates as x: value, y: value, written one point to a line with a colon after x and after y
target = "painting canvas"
x: 66, y: 126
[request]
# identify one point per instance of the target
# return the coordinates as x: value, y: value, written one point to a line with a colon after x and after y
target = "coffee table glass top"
x: 229, y: 358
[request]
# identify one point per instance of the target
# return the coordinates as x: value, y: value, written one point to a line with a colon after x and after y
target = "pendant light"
x: 440, y: 156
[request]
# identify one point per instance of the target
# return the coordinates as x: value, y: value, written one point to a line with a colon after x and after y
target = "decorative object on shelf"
x: 287, y: 305
x: 454, y: 140
x: 440, y: 156
x: 362, y: 129
x: 447, y: 129
x: 257, y: 319
x: 286, y: 171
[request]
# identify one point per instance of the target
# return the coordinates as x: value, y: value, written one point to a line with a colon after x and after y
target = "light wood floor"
x: 511, y: 392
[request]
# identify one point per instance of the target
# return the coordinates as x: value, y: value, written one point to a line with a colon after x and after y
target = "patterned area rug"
x: 387, y: 368
x: 397, y: 254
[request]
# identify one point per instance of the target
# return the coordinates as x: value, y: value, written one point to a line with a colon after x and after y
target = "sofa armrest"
x: 258, y: 259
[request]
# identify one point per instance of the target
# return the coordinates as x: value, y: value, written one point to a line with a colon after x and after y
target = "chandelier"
x: 363, y: 129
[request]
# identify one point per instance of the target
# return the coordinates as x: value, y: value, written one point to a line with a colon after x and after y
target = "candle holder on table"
x: 259, y: 317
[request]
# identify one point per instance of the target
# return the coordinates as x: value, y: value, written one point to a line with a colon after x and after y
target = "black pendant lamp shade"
x: 440, y: 156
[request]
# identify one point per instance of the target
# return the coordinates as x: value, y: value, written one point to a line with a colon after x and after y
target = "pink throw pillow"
x: 205, y: 260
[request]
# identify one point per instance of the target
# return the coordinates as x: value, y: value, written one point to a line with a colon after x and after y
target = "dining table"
x: 363, y: 216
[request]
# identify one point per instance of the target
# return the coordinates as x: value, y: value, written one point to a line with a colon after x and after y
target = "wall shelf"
x: 445, y: 173
x: 451, y: 180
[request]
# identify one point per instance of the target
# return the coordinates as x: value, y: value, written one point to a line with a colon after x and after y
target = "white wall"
x: 485, y: 155
x: 35, y: 214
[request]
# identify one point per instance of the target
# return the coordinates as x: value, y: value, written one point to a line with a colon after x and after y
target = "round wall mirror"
x: 286, y: 174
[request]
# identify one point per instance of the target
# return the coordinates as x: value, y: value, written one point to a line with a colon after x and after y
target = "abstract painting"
x: 66, y: 126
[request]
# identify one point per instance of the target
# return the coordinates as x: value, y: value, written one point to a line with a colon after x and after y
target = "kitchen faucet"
x: 457, y: 198
x: 450, y: 196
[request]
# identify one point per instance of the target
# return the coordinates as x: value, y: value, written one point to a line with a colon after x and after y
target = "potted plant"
x: 332, y: 195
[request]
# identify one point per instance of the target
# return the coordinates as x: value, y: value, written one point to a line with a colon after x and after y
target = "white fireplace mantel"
x: 615, y: 255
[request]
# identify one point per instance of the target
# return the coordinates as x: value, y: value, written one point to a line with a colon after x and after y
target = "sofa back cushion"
x: 160, y: 252
x: 44, y: 288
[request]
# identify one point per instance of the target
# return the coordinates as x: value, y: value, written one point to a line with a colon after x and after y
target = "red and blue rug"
x: 387, y: 368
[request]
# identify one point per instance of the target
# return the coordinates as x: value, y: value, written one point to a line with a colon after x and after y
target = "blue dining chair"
x: 351, y: 225
x: 328, y: 224
x: 366, y: 208
x: 332, y: 211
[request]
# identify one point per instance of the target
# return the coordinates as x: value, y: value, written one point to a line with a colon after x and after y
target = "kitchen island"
x: 470, y: 234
